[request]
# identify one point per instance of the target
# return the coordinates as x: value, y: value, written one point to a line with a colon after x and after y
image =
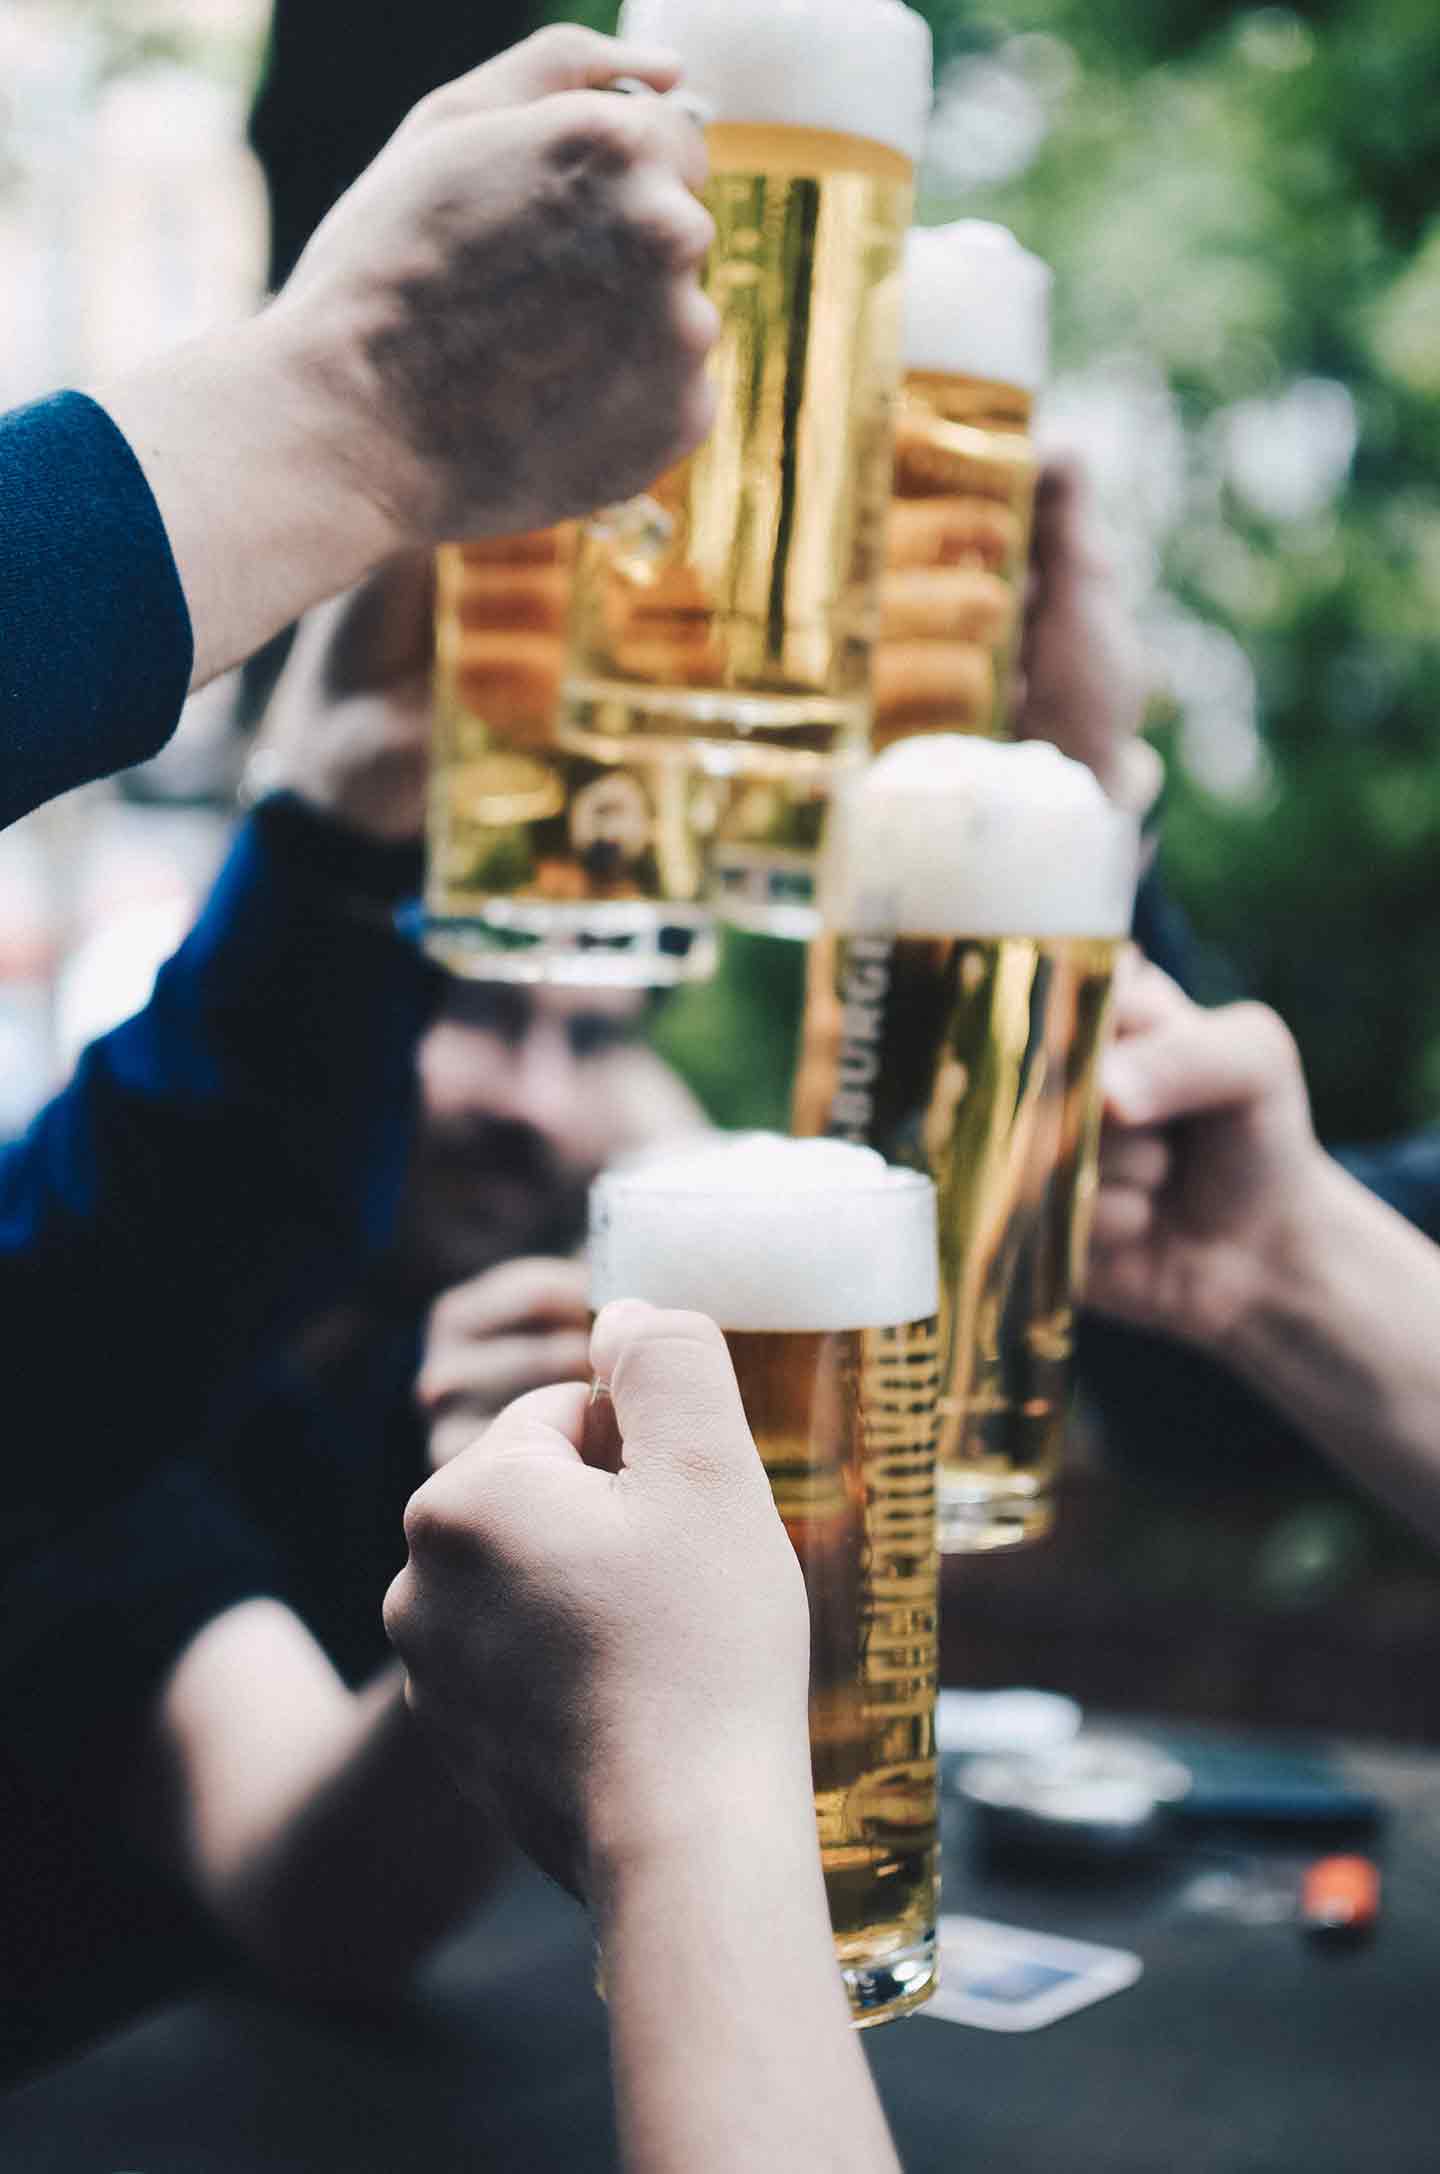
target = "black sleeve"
x: 1162, y: 931
x: 315, y: 125
x: 1404, y: 1173
x: 91, y: 1928
x: 90, y: 1625
x: 95, y: 642
x: 1179, y: 1421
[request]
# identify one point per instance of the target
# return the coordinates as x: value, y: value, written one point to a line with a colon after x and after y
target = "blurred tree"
x: 1243, y: 210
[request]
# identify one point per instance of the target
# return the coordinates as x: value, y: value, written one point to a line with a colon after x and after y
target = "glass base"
x: 973, y: 1521
x: 898, y: 1984
x: 636, y: 945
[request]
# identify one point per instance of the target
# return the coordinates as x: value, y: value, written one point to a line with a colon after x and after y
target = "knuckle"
x: 595, y: 132
x: 699, y: 327
x: 432, y: 1530
x: 1268, y: 1035
x: 398, y: 1608
x: 436, y: 106
x: 564, y: 48
x: 665, y: 219
x: 431, y: 1390
x: 442, y: 1314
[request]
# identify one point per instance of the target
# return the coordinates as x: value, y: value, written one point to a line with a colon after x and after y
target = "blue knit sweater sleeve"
x: 95, y: 642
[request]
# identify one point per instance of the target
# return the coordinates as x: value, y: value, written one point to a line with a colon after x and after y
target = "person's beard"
x: 482, y: 1190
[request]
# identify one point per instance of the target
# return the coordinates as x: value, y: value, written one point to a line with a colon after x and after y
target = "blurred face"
x: 525, y: 1094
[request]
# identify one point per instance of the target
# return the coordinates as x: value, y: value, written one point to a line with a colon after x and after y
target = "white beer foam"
x: 762, y: 1232
x: 976, y: 304
x: 949, y: 835
x: 860, y: 66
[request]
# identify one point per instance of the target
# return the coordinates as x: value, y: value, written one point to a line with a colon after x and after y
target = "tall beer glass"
x: 544, y: 864
x: 819, y: 1264
x: 734, y: 627
x: 978, y: 897
x: 975, y: 345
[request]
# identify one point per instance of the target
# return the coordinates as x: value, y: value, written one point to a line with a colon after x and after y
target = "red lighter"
x: 1340, y: 1899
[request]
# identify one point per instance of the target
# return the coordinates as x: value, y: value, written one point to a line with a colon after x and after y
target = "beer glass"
x: 819, y: 1264
x: 977, y: 899
x: 543, y: 863
x: 727, y: 628
x: 975, y: 344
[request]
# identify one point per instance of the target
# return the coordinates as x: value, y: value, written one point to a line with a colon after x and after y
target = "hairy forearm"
x: 1343, y: 1334
x: 733, y: 2048
x: 244, y: 447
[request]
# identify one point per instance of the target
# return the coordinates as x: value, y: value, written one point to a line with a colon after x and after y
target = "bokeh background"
x: 1242, y: 206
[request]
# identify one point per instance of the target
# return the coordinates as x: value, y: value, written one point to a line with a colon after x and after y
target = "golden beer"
x: 958, y: 535
x: 978, y: 1061
x: 952, y: 1045
x: 783, y: 1242
x: 740, y: 615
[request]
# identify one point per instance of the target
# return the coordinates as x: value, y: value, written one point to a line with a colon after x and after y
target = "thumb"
x: 1146, y: 997
x: 675, y: 1396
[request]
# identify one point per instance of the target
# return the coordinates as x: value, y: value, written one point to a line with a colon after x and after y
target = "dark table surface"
x: 1244, y: 2049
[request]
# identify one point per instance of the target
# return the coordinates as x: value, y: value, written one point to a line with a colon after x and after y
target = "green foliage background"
x: 1250, y: 198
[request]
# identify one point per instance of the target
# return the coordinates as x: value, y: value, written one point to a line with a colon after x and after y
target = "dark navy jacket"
x: 95, y: 644
x: 221, y: 1166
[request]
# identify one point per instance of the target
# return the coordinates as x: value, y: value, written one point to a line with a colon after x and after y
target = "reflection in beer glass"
x: 955, y: 1015
x: 542, y: 863
x: 819, y: 1263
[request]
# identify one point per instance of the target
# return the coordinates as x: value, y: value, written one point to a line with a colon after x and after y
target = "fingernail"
x: 621, y: 1309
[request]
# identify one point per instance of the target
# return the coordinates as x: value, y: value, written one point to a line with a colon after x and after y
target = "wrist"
x: 684, y: 1817
x: 321, y: 349
x: 1277, y: 1277
x: 308, y: 373
x: 252, y: 466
